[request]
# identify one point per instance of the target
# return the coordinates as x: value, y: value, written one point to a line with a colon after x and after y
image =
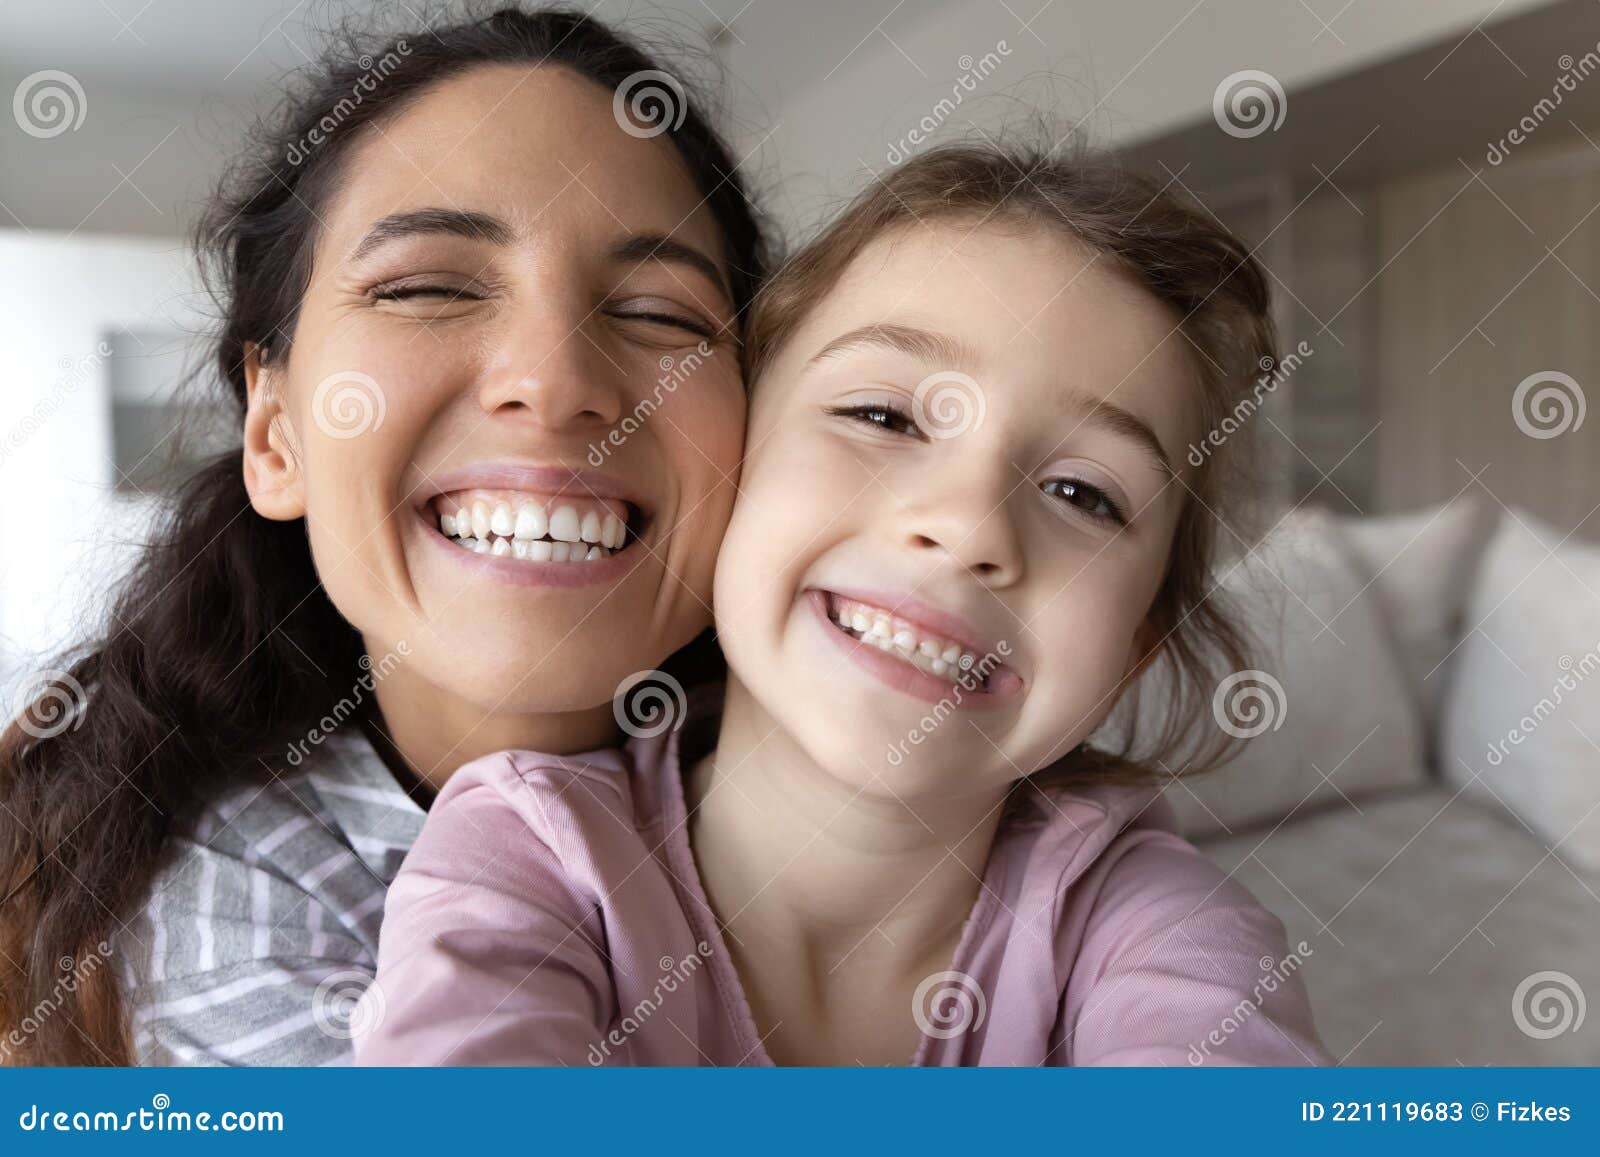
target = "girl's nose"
x: 555, y: 375
x: 974, y: 529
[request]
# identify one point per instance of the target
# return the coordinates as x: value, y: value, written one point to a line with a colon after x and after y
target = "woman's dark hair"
x: 222, y: 645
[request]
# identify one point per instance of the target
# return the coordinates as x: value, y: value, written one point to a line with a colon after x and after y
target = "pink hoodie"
x: 551, y: 913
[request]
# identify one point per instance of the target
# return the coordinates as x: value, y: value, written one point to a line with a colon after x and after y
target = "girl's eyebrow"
x: 924, y: 344
x: 1114, y: 419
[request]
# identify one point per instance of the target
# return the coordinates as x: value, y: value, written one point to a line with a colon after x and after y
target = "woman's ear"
x: 271, y: 459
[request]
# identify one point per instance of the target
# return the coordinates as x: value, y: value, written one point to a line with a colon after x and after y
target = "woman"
x: 460, y: 264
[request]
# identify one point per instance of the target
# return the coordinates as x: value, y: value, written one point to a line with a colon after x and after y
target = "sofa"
x: 1417, y: 796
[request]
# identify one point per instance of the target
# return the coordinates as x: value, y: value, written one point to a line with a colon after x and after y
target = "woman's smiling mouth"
x: 534, y: 527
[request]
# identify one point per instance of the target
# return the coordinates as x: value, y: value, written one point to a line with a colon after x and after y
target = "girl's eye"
x: 880, y: 414
x: 1086, y: 497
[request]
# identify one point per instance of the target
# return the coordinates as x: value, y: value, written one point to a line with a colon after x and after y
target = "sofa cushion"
x: 1328, y: 706
x: 1521, y: 727
x: 1426, y: 914
x: 1421, y: 566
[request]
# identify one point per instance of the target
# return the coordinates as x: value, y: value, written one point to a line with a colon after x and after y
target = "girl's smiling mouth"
x: 910, y: 656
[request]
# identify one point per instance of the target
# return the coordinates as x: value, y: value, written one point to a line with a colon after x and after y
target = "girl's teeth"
x: 501, y: 521
x: 480, y: 520
x: 590, y: 530
x: 447, y: 525
x: 611, y: 532
x: 904, y: 641
x: 540, y: 550
x: 500, y: 546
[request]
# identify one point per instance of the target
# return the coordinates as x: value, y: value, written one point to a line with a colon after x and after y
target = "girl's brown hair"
x: 1186, y: 259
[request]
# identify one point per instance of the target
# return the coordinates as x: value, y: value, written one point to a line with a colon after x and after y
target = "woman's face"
x: 969, y: 448
x: 511, y: 412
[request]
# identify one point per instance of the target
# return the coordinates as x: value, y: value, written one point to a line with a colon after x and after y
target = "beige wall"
x: 1487, y: 282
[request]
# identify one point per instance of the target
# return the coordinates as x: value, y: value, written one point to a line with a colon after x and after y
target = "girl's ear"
x: 271, y: 460
x: 1146, y: 650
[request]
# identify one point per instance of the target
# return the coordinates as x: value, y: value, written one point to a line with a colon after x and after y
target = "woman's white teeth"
x: 904, y: 640
x: 564, y: 525
x: 528, y: 531
x: 532, y: 522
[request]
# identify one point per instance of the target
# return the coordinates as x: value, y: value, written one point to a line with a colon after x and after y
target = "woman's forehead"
x: 539, y: 147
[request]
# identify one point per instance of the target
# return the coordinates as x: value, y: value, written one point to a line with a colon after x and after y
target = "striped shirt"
x: 262, y: 929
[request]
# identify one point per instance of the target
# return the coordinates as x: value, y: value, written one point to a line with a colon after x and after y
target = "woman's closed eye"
x: 658, y: 316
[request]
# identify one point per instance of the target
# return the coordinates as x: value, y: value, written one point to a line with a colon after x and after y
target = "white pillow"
x: 1345, y: 706
x: 1522, y: 723
x: 1421, y: 565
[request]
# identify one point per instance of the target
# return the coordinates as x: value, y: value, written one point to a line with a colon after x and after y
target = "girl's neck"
x: 801, y: 865
x: 424, y: 734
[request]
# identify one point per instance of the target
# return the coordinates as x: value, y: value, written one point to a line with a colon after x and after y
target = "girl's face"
x: 511, y: 410
x: 967, y: 449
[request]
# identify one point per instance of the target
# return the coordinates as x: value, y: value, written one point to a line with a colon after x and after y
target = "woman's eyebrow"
x: 642, y: 247
x: 457, y: 222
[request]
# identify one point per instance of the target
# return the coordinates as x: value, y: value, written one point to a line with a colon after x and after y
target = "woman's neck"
x: 803, y: 866
x: 424, y: 734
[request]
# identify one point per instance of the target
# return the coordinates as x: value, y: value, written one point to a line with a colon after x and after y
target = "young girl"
x: 965, y: 524
x: 447, y: 268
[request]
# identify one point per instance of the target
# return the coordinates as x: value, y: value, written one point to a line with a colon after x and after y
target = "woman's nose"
x: 555, y: 374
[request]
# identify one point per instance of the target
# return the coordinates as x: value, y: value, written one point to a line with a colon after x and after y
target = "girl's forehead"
x: 1010, y: 292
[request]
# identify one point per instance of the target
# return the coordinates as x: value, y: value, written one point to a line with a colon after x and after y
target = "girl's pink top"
x: 551, y: 912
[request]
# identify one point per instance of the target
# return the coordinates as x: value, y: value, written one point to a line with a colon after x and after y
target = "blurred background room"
x: 1417, y: 800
